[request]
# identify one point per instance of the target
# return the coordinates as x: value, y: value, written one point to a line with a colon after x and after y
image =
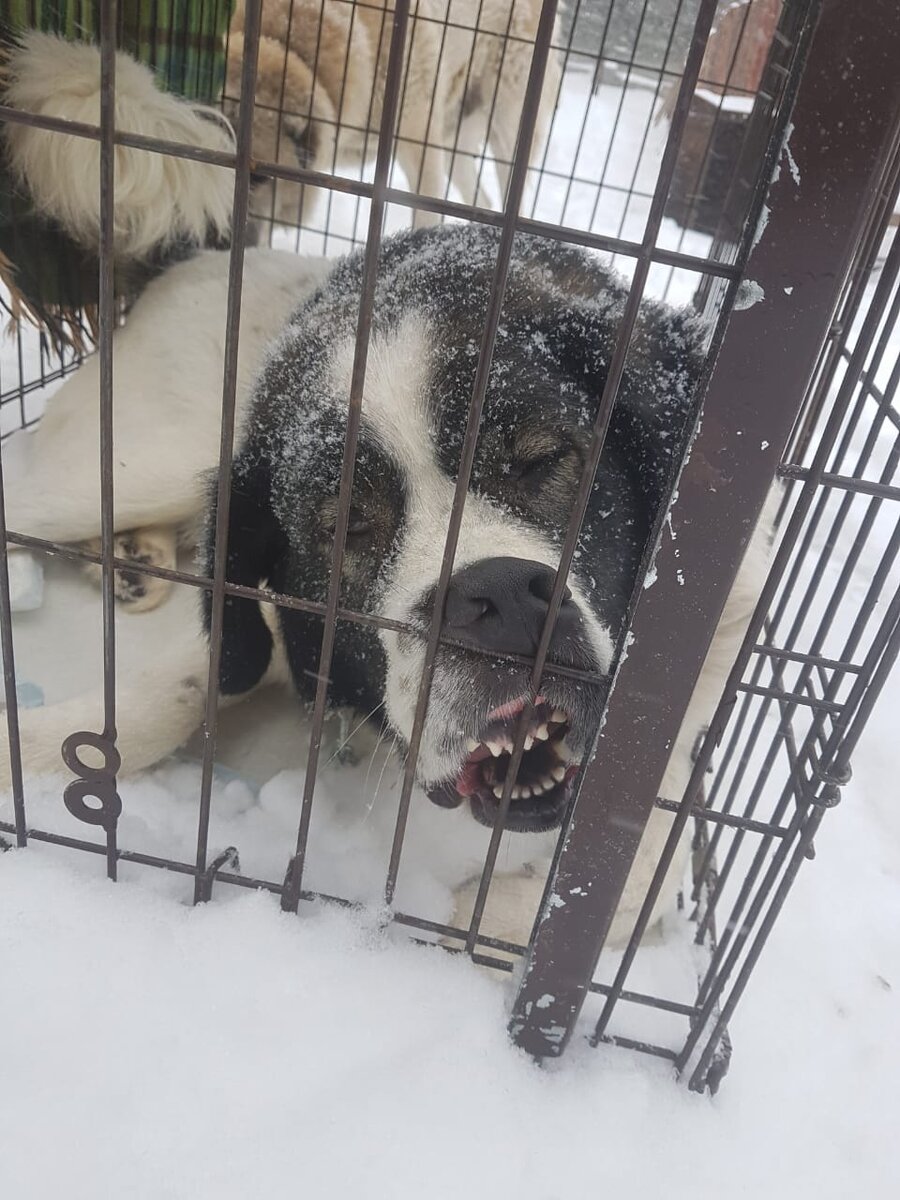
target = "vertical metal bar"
x: 516, y: 188
x: 107, y: 322
x: 756, y: 387
x: 239, y: 211
x: 294, y: 879
x: 9, y: 679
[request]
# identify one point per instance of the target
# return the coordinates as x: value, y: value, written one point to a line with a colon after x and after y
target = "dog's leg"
x: 467, y: 171
x: 425, y: 168
x: 157, y: 710
x: 504, y: 128
x: 153, y: 547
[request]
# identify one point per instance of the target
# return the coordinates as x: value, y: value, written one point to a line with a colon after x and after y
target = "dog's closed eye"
x: 358, y: 528
x: 534, y: 471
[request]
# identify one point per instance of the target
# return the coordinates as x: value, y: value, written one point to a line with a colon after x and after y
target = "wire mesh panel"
x: 654, y: 137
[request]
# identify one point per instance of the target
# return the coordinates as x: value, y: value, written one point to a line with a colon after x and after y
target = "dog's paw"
x: 135, y: 591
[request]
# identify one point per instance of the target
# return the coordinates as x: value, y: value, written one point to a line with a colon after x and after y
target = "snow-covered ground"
x: 151, y: 1049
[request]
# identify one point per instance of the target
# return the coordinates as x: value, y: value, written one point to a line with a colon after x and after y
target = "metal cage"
x: 766, y: 164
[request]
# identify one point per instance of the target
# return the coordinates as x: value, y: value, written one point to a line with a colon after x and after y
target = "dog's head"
x: 294, y: 122
x: 553, y: 347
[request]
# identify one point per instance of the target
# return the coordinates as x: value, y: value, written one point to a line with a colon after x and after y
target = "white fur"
x: 167, y: 381
x: 158, y: 199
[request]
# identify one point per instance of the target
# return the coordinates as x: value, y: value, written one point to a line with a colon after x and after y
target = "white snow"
x: 158, y: 1051
x: 749, y: 293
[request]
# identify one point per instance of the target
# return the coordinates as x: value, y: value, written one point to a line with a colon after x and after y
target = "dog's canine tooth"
x: 529, y: 741
x: 497, y: 789
x: 558, y: 716
x: 558, y: 773
x: 562, y: 751
x: 496, y: 748
x: 472, y: 744
x: 542, y: 733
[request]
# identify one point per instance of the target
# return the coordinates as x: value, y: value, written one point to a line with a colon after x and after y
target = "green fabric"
x: 182, y: 40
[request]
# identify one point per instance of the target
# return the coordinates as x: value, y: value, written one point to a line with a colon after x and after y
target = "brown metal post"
x: 816, y: 216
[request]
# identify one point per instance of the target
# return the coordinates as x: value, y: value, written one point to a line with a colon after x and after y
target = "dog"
x: 320, y: 88
x: 162, y: 203
x: 559, y: 321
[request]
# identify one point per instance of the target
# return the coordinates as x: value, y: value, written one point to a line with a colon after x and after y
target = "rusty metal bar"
x: 294, y: 878
x: 807, y: 250
x: 240, y: 208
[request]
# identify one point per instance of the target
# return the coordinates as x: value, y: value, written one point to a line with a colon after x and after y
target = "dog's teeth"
x: 558, y: 716
x: 558, y: 773
x: 507, y: 745
x: 529, y: 741
x: 472, y: 744
x: 497, y: 789
x: 542, y: 733
x: 496, y: 748
x: 563, y: 751
x: 524, y: 792
x: 540, y: 786
x: 516, y: 793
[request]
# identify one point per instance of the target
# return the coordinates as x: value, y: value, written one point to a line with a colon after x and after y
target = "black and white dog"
x: 559, y: 321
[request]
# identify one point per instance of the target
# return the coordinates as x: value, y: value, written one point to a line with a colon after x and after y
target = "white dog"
x: 320, y: 88
x: 167, y: 384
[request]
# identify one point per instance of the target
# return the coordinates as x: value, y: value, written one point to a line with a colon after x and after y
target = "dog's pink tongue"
x: 451, y: 795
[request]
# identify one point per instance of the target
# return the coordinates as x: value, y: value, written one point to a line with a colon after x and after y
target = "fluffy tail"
x: 160, y: 201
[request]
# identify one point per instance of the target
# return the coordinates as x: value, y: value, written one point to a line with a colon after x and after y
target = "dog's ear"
x: 658, y: 391
x: 255, y: 548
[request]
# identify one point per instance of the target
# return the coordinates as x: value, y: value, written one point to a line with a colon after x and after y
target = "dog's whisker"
x: 381, y: 736
x: 353, y: 732
x: 387, y: 759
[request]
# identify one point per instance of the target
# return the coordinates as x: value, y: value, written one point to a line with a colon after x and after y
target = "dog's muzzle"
x: 498, y: 606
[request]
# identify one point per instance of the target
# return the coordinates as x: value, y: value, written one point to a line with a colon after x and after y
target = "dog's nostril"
x: 541, y: 587
x: 466, y: 610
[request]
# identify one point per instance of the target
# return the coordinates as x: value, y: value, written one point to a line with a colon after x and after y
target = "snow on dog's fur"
x: 160, y: 200
x: 560, y: 316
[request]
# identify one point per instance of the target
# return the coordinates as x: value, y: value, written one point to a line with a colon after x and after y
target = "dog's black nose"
x: 501, y: 604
